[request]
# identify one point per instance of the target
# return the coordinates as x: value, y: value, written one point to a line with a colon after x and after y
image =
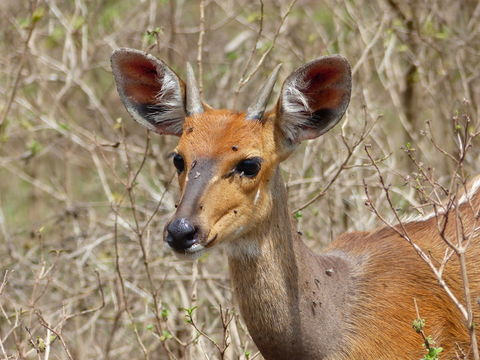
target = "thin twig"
x: 18, y: 74
x: 46, y: 325
x: 250, y: 57
x: 201, y: 35
x: 343, y: 165
x: 260, y: 62
x: 401, y: 230
x: 126, y: 306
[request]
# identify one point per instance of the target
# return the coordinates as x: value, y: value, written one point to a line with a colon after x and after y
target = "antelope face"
x: 225, y: 160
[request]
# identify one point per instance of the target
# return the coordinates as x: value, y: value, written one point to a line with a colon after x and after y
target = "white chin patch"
x: 192, y: 253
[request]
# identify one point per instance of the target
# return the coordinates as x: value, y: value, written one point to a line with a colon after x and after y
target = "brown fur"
x: 356, y: 299
x: 353, y: 301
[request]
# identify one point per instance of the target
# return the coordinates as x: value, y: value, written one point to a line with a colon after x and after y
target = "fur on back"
x: 392, y: 276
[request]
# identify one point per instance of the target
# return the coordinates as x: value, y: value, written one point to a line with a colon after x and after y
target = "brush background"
x: 413, y: 61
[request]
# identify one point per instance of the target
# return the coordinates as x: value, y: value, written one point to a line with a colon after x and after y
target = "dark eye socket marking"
x: 249, y: 167
x: 178, y: 162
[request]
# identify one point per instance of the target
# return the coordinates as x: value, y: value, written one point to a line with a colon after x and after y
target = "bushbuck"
x: 355, y: 300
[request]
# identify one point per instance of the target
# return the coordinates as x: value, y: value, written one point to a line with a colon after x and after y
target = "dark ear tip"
x: 336, y: 59
x: 122, y: 52
x: 337, y: 62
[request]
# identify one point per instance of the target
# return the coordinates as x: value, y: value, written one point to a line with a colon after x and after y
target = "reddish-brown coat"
x: 353, y: 301
x: 366, y: 309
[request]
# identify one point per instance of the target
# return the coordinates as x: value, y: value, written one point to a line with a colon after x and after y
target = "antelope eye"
x: 179, y: 162
x: 249, y: 167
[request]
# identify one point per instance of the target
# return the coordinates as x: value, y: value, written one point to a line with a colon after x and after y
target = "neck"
x: 291, y: 299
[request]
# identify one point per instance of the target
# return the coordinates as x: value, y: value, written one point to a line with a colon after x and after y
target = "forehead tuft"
x: 217, y: 131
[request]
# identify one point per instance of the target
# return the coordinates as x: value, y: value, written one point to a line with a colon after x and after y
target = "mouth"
x: 211, y: 242
x: 195, y: 250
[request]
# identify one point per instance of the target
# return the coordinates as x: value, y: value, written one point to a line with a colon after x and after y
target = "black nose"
x: 181, y: 234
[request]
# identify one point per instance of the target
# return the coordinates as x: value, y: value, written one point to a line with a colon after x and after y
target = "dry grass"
x: 82, y: 254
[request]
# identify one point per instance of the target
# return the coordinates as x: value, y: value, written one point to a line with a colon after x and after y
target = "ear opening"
x: 314, y: 98
x: 152, y: 93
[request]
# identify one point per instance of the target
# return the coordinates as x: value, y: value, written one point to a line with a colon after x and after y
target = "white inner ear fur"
x: 295, y: 110
x: 169, y: 97
x: 169, y: 94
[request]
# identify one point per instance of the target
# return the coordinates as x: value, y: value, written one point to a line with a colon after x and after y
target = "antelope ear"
x: 314, y: 98
x: 152, y: 93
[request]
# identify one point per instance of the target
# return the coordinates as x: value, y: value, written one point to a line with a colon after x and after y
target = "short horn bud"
x: 256, y: 111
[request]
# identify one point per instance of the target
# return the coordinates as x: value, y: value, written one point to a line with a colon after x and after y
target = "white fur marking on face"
x: 257, y: 197
x: 192, y: 253
x: 239, y: 230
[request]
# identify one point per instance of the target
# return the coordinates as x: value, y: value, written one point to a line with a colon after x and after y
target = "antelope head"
x: 226, y: 161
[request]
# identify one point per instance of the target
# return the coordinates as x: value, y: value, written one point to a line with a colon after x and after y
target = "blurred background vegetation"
x: 85, y: 274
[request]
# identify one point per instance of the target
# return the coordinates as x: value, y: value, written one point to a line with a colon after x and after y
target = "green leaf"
x: 64, y: 126
x: 165, y: 335
x: 255, y: 16
x: 41, y: 344
x: 433, y: 353
x: 418, y: 325
x: 152, y: 35
x: 164, y: 313
x: 78, y: 22
x: 232, y: 55
x: 191, y: 310
x: 189, y: 314
x: 24, y: 23
x: 35, y: 147
x: 37, y: 15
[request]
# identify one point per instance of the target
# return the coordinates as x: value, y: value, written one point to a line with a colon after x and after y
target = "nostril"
x: 191, y: 234
x: 181, y: 234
